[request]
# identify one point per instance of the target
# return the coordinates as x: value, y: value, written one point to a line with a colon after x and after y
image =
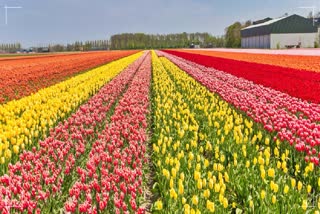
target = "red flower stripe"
x: 112, y: 178
x: 39, y: 175
x: 285, y: 59
x: 297, y: 83
x: 276, y: 111
x: 20, y: 77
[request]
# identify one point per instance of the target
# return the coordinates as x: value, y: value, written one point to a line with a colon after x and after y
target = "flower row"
x: 25, y: 121
x: 292, y: 119
x: 112, y: 178
x: 208, y: 157
x: 309, y: 63
x: 41, y: 178
x: 297, y: 83
x: 20, y: 77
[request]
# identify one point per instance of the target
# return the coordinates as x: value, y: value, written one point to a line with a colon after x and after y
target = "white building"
x: 284, y: 32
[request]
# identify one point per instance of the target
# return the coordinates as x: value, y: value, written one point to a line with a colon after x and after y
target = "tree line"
x: 75, y: 46
x: 160, y: 41
x: 10, y: 48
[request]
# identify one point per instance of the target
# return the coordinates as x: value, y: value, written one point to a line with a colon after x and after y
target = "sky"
x: 41, y: 22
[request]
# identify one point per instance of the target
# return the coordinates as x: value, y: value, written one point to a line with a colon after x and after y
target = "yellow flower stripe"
x: 23, y: 122
x: 210, y: 158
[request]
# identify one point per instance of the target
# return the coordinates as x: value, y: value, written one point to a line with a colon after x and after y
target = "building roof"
x: 261, y: 21
x: 265, y: 23
x: 286, y: 24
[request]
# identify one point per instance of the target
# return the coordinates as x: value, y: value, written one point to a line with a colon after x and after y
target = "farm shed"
x: 284, y: 32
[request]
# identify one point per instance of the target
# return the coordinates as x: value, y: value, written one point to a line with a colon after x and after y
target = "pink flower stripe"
x: 293, y: 119
x: 112, y: 178
x: 40, y: 174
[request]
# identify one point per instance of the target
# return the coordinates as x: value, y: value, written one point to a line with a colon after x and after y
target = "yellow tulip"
x: 263, y: 194
x: 197, y: 175
x: 173, y: 193
x: 263, y: 174
x: 182, y: 176
x: 275, y: 188
x: 2, y: 160
x: 158, y: 205
x: 7, y: 154
x: 299, y: 185
x: 183, y: 200
x: 186, y: 209
x: 206, y: 193
x: 225, y: 202
x: 286, y: 189
x: 255, y: 161
x: 267, y: 141
x: 293, y: 182
x: 217, y: 187
x: 181, y: 187
x: 234, y: 205
x: 210, y: 206
x: 199, y: 184
x: 198, y: 166
x: 195, y: 200
x: 226, y: 177
x: 251, y: 203
x: 211, y: 183
x: 304, y: 205
x: 271, y: 172
x: 15, y: 149
x: 309, y: 188
x: 247, y: 164
x: 206, y: 163
x: 171, y: 183
x: 220, y: 167
x: 222, y: 158
x: 204, y: 182
x: 261, y: 160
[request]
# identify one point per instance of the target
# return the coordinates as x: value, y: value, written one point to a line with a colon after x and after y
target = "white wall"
x: 256, y: 42
x: 307, y: 40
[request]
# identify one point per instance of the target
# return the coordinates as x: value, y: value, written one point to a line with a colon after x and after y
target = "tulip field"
x: 170, y: 131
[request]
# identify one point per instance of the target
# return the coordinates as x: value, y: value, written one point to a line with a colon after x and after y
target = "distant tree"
x: 247, y: 23
x: 233, y: 35
x: 233, y: 38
